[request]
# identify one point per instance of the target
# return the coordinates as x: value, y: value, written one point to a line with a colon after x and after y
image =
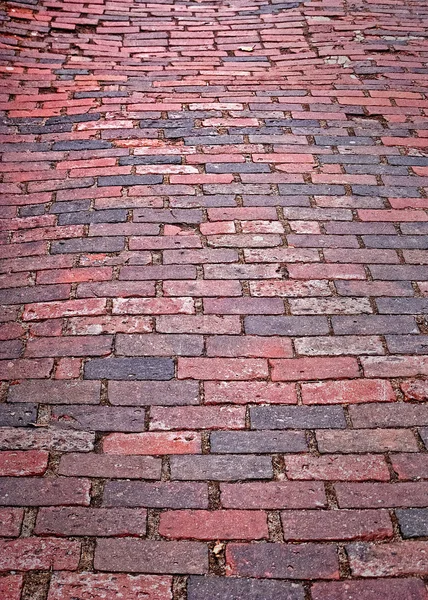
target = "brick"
x: 98, y: 418
x: 336, y: 467
x: 273, y: 495
x: 10, y: 587
x: 70, y: 346
x: 45, y: 439
x: 201, y: 288
x: 139, y: 556
x: 405, y: 558
x: 305, y: 561
x: 315, y: 306
x: 243, y: 306
x: 154, y: 443
x: 289, y: 326
x: 159, y: 345
x: 374, y: 589
x: 10, y: 522
x: 296, y: 417
x: 156, y: 495
x: 218, y: 368
x: 322, y: 525
x: 130, y: 368
x: 101, y: 465
x: 394, y: 366
x: 413, y: 522
x: 142, y: 393
x: 100, y: 522
x: 347, y: 392
x: 314, y: 368
x: 372, y: 324
x: 248, y: 442
x: 21, y: 464
x: 18, y: 416
x: 415, y: 390
x: 113, y: 289
x: 68, y: 586
x: 27, y: 554
x: 149, y: 272
x: 221, y: 468
x: 367, y: 440
x: 197, y: 417
x: 109, y: 324
x: 377, y: 495
x: 219, y: 524
x: 56, y: 392
x: 338, y: 346
x: 254, y: 392
x: 398, y: 415
x: 410, y: 466
x: 153, y: 306
x: 43, y: 492
x: 39, y: 293
x: 233, y: 588
x: 249, y: 346
x: 202, y: 324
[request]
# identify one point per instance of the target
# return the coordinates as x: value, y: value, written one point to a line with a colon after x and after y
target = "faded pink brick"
x: 153, y: 443
x: 219, y: 368
x: 348, y: 392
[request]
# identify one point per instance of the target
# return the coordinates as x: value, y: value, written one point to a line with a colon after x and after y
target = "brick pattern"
x: 214, y: 289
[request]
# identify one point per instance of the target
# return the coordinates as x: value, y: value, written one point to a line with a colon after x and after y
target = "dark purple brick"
x: 231, y: 588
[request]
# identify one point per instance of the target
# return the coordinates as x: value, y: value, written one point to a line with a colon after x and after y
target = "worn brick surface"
x: 214, y: 289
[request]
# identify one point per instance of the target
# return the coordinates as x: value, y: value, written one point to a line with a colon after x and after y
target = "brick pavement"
x: 214, y: 287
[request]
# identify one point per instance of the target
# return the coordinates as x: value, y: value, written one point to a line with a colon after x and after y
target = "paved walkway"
x: 213, y: 271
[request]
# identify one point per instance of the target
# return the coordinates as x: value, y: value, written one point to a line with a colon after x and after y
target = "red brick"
x: 219, y: 368
x: 21, y: 464
x: 153, y: 443
x: 347, y: 392
x: 311, y: 525
x: 24, y: 368
x: 374, y: 589
x: 68, y: 308
x: 69, y: 586
x: 415, y: 390
x: 75, y: 275
x: 10, y: 521
x: 385, y: 560
x: 273, y: 495
x: 314, y: 368
x: 199, y: 324
x: 245, y: 392
x: 29, y: 554
x: 218, y: 524
x: 337, y: 467
x: 153, y: 306
x: 10, y: 587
